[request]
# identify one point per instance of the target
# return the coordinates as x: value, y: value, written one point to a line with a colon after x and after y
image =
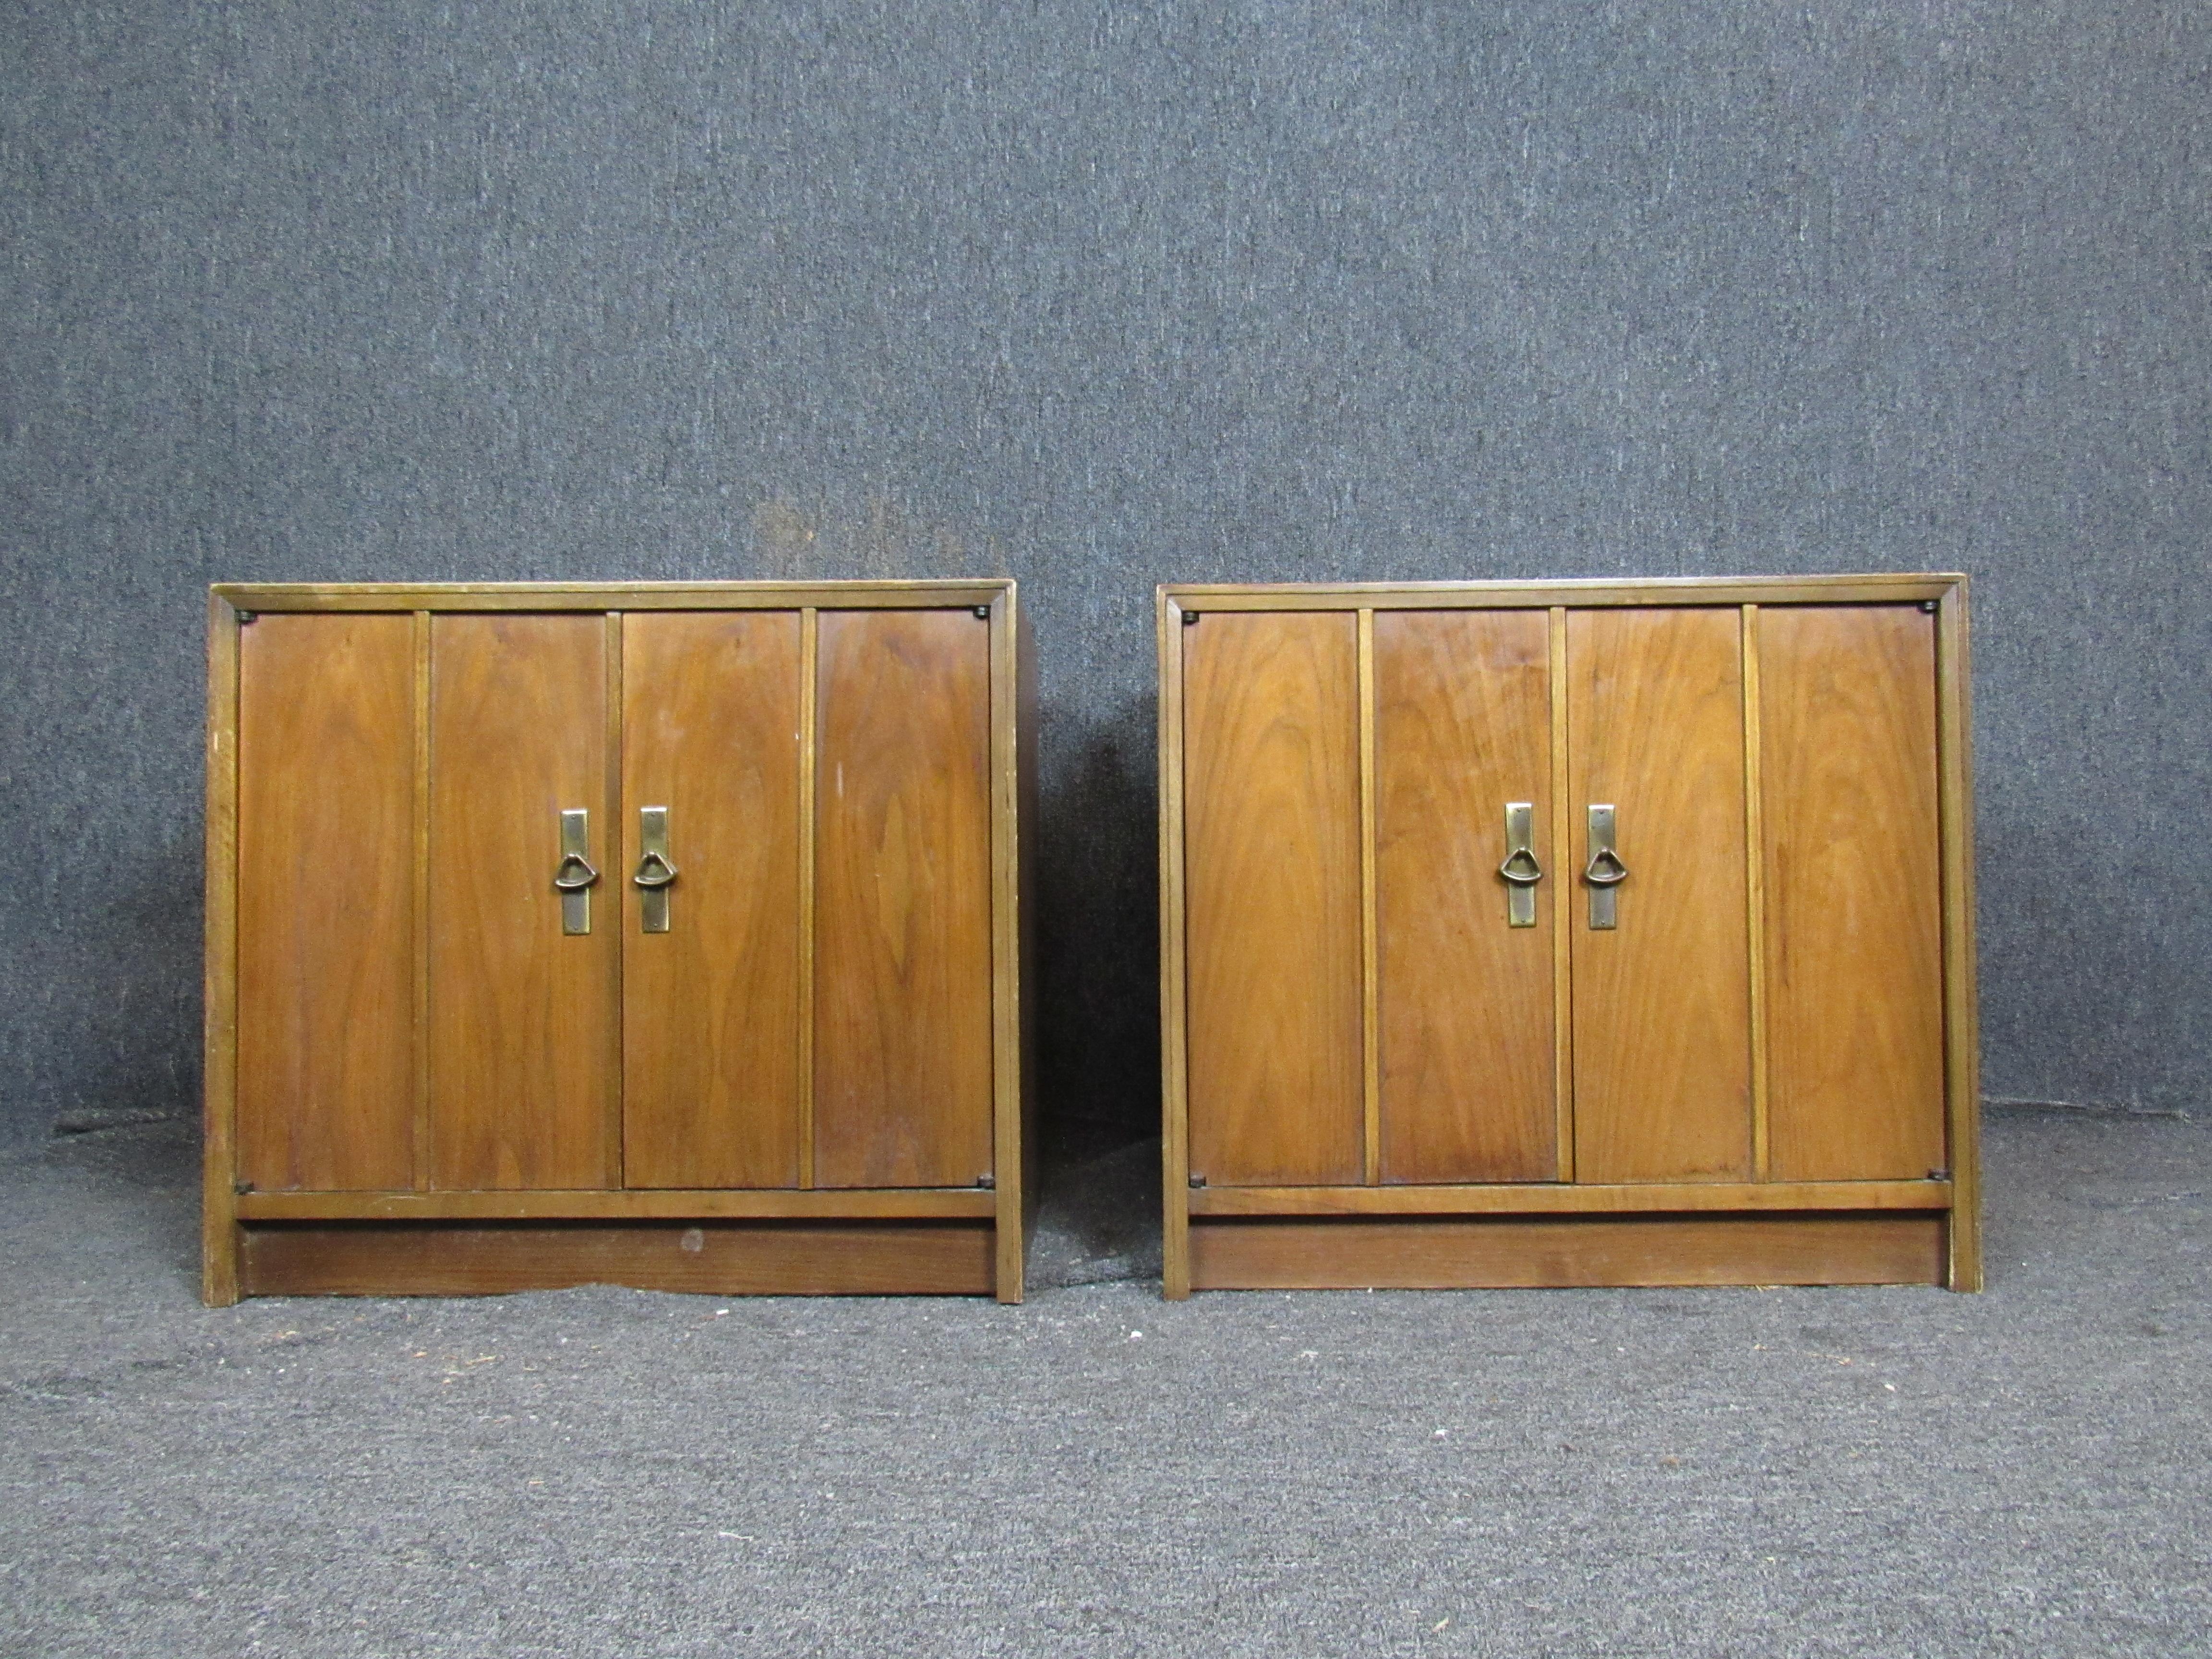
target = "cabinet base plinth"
x: 1447, y: 1253
x: 713, y: 1258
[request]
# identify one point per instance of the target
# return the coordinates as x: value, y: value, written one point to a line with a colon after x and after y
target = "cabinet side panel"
x: 1853, y: 884
x: 902, y: 1074
x: 326, y: 903
x: 1273, y: 883
x: 710, y: 1007
x: 521, y: 1014
x: 1663, y: 1001
x: 1463, y: 727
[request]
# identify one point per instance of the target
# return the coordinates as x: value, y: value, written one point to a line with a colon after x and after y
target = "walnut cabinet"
x: 1586, y: 934
x: 659, y: 935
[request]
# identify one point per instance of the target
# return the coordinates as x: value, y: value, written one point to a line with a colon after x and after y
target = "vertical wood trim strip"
x: 1755, y: 893
x: 219, y: 1106
x: 1006, y: 829
x: 1563, y: 894
x: 423, y: 1144
x: 1961, y: 1026
x: 809, y: 704
x: 1026, y: 715
x: 1370, y: 999
x: 1175, y: 1118
x: 616, y: 904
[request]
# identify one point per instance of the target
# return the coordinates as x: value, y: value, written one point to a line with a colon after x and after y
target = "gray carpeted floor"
x: 1894, y: 1472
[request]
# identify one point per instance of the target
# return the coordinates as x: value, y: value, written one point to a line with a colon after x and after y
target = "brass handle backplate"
x: 654, y: 872
x: 1520, y: 870
x: 1605, y: 870
x: 574, y: 875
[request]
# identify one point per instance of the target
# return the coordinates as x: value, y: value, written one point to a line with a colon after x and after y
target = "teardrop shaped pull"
x: 1604, y: 872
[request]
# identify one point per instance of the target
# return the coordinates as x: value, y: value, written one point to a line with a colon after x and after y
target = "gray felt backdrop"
x: 1096, y: 295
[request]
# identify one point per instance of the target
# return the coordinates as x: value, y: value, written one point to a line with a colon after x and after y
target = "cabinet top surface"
x: 598, y: 596
x: 1891, y: 586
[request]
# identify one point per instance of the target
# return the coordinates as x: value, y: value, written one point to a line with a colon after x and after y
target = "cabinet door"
x: 1662, y: 1001
x: 1853, y: 886
x: 902, y: 900
x: 325, y: 901
x: 1272, y: 884
x: 522, y: 1014
x: 710, y: 1006
x: 1462, y: 727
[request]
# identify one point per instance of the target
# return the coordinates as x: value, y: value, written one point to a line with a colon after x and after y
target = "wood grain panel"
x: 325, y: 897
x: 1563, y: 895
x: 659, y: 1204
x: 810, y: 639
x: 947, y: 1258
x: 902, y: 1081
x: 219, y: 1237
x: 1961, y: 1021
x: 1370, y: 950
x: 1854, y: 892
x: 421, y: 907
x: 1568, y: 1250
x: 1272, y: 897
x: 523, y: 1018
x: 1174, y: 1007
x: 1754, y: 841
x: 1530, y: 1198
x: 1637, y: 592
x: 1893, y: 588
x: 1463, y: 727
x: 710, y: 1008
x: 603, y: 596
x: 1013, y: 998
x: 1662, y: 1029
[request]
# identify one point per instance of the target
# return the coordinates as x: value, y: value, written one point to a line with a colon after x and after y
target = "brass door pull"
x: 654, y: 872
x: 574, y: 874
x: 1520, y: 869
x: 1605, y: 870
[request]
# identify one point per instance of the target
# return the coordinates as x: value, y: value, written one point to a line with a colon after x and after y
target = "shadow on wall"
x: 1097, y: 876
x: 2096, y: 1038
x: 142, y: 1061
x: 1097, y: 897
x: 795, y: 541
x: 1098, y: 976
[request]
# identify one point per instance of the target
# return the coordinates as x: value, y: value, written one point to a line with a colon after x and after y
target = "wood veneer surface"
x: 903, y: 1084
x: 1442, y: 1253
x: 1462, y: 727
x: 1854, y: 892
x: 711, y: 1257
x: 710, y: 1020
x: 1662, y: 1002
x: 325, y: 938
x: 1272, y: 894
x: 522, y: 1017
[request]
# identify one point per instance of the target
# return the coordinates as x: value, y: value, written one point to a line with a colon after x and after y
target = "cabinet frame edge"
x: 1945, y: 592
x: 219, y: 1235
x: 1175, y: 1115
x: 1011, y: 717
x: 1961, y: 1012
x: 1582, y: 594
x: 612, y: 596
x: 1011, y: 747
